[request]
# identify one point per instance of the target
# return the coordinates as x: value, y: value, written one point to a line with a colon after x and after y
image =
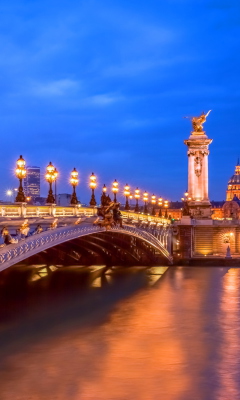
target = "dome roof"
x: 235, y: 179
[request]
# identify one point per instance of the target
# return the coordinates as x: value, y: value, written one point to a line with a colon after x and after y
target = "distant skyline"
x: 104, y: 86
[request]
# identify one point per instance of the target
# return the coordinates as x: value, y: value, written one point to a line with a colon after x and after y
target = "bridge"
x: 142, y: 237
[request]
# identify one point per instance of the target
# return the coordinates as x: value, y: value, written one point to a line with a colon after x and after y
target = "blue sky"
x: 103, y: 86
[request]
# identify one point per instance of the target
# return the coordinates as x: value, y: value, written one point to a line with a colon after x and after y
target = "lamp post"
x: 93, y: 185
x: 115, y: 190
x: 127, y: 194
x: 153, y: 204
x: 130, y: 198
x: 166, y: 207
x: 104, y: 197
x: 51, y: 176
x: 74, y: 182
x: 21, y: 173
x: 160, y: 200
x: 145, y: 199
x: 185, y: 200
x: 137, y: 197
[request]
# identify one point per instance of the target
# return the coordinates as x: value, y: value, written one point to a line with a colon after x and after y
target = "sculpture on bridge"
x: 24, y: 229
x: 54, y: 224
x: 111, y: 216
x: 197, y: 122
x: 7, y: 238
x: 37, y: 230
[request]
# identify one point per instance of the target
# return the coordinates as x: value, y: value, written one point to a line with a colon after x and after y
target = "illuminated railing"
x: 28, y: 211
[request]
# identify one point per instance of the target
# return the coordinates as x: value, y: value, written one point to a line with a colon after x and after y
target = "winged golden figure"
x: 197, y: 122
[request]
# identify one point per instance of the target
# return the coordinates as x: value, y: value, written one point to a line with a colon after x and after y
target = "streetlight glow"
x: 74, y: 182
x: 51, y: 176
x: 21, y: 173
x: 93, y: 185
x: 145, y: 199
x: 127, y: 194
x: 115, y: 190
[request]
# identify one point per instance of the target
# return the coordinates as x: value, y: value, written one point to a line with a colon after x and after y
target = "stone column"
x: 198, y: 152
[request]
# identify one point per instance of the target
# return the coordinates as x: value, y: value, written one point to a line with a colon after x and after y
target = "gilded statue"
x: 197, y: 122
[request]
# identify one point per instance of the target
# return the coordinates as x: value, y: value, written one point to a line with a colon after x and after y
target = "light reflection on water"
x: 120, y: 337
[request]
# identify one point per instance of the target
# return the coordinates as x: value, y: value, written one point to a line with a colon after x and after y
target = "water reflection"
x: 78, y: 335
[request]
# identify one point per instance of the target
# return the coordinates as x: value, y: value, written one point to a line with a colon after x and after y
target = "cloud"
x: 55, y: 88
x: 103, y: 99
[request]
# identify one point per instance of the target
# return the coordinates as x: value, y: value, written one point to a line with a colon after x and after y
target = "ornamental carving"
x: 194, y: 152
x: 197, y: 166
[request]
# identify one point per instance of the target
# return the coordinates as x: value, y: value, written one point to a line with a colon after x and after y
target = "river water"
x: 128, y: 336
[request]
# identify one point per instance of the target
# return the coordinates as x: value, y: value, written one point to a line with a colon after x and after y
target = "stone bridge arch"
x: 15, y: 253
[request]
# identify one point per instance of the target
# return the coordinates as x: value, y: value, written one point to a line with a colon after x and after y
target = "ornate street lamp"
x: 115, y: 190
x: 104, y: 197
x: 93, y: 185
x: 51, y: 176
x: 166, y: 207
x: 153, y: 203
x: 185, y: 200
x: 145, y: 199
x: 127, y: 194
x: 21, y: 173
x: 137, y: 197
x: 74, y: 182
x: 160, y: 200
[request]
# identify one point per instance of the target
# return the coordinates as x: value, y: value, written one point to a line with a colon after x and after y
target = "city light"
x: 145, y: 199
x: 153, y: 200
x: 51, y: 176
x: 20, y: 172
x: 137, y: 197
x: 93, y: 185
x: 127, y: 194
x: 160, y: 203
x: 104, y: 199
x: 74, y: 182
x: 115, y: 190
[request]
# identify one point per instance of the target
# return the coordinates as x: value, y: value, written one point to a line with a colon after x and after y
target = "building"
x: 63, y: 199
x: 32, y: 182
x: 233, y: 188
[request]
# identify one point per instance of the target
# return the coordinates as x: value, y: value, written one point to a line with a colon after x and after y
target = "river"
x: 128, y: 336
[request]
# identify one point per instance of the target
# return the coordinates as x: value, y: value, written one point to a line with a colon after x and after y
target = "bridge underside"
x: 102, y: 248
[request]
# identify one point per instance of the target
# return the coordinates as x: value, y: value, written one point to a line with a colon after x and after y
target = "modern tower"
x: 198, y: 142
x: 32, y: 182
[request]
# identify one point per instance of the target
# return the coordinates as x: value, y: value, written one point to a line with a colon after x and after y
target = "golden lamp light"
x: 127, y: 194
x: 74, y: 182
x: 51, y: 176
x: 153, y: 201
x: 145, y: 199
x: 137, y: 197
x: 20, y: 173
x: 160, y: 203
x: 115, y: 190
x: 93, y: 185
